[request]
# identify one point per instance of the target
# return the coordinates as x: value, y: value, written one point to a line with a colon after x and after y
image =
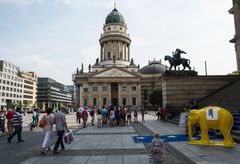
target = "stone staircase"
x: 174, y: 120
x: 236, y: 127
x: 227, y: 97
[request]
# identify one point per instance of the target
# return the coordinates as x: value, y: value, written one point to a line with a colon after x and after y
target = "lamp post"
x: 205, y: 67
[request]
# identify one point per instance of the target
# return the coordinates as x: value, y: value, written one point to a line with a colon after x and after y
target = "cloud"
x: 35, y: 62
x: 30, y: 2
x: 20, y: 2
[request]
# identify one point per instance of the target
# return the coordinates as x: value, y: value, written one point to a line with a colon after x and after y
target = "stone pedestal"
x: 179, y: 89
x: 180, y: 73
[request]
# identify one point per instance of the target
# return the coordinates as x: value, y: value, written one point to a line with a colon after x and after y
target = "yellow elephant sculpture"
x: 211, y: 117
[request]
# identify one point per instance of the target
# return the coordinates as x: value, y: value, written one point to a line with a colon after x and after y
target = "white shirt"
x: 80, y: 110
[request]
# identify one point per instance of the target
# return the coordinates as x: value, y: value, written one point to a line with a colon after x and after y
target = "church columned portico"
x: 114, y: 93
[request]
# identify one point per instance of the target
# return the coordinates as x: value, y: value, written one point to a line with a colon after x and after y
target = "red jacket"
x: 9, y: 115
x: 162, y: 111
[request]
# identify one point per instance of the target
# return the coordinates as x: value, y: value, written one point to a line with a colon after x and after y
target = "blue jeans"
x: 59, y: 140
x: 18, y: 131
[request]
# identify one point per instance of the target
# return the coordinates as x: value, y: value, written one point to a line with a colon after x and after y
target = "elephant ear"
x: 194, y: 113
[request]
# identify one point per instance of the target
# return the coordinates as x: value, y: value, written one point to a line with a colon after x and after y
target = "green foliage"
x: 155, y: 97
x: 20, y: 103
x: 25, y: 102
x: 234, y: 73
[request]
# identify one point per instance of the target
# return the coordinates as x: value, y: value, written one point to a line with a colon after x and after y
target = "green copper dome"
x: 153, y: 68
x: 115, y: 17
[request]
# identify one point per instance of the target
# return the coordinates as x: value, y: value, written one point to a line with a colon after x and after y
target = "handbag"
x: 42, y: 122
x: 68, y: 138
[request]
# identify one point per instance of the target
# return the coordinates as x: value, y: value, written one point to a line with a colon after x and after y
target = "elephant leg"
x: 190, y: 132
x: 227, y: 136
x: 204, y: 132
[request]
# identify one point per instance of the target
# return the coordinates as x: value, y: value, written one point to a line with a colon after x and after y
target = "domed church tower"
x: 114, y: 79
x: 115, y: 41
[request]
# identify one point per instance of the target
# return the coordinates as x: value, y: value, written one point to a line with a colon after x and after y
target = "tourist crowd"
x: 109, y: 116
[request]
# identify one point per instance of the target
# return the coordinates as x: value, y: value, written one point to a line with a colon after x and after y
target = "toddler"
x: 156, y: 146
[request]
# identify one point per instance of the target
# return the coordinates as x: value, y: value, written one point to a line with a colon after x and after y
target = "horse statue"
x: 177, y: 60
x: 174, y: 63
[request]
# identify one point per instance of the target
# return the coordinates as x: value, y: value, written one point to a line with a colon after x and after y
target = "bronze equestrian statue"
x: 177, y: 60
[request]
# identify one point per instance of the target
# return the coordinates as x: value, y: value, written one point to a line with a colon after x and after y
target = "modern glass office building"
x: 52, y: 93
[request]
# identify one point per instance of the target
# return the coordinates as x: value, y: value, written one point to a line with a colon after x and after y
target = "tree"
x: 155, y: 97
x: 25, y: 103
x: 234, y: 73
x: 19, y: 104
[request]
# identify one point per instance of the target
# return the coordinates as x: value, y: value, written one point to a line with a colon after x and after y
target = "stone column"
x: 80, y: 95
x: 125, y: 55
x: 102, y: 52
x: 119, y: 94
x: 77, y: 99
x: 139, y: 103
x: 99, y: 102
x: 105, y: 52
x: 103, y: 55
x: 235, y: 10
x: 236, y: 13
x: 109, y: 94
x: 128, y: 52
x: 129, y: 94
x: 89, y: 94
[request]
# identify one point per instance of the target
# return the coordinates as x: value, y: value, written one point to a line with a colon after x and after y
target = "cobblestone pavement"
x: 91, y: 145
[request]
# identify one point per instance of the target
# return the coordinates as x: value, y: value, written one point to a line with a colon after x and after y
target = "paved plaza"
x: 108, y: 145
x: 101, y: 145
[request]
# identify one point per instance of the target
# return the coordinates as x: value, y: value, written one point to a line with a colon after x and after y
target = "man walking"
x: 85, y: 117
x: 79, y: 113
x: 142, y: 112
x: 92, y: 114
x: 17, y: 124
x: 61, y: 124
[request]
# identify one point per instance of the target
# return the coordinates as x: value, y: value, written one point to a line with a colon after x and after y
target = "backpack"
x: 84, y: 114
x: 91, y: 113
x: 42, y: 122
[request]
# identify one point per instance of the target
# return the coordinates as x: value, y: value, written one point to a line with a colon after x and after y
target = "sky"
x: 54, y: 37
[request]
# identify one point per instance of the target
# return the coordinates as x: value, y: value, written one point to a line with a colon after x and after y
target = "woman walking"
x: 48, y: 130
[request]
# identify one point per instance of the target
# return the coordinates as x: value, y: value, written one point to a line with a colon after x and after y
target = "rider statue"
x: 177, y: 55
x: 176, y: 60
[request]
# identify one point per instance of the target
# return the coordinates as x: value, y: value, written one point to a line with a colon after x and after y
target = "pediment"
x: 114, y: 72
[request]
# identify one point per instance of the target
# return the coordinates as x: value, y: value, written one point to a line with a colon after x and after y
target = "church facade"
x: 114, y: 79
